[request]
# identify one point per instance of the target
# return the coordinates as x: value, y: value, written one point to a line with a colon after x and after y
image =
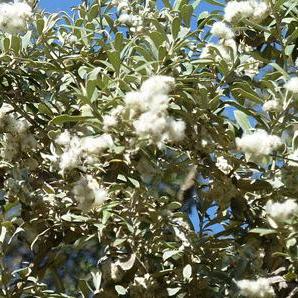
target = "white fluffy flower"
x: 255, y: 10
x: 14, y: 16
x: 235, y: 10
x: 109, y: 121
x: 63, y: 139
x: 271, y: 105
x: 153, y: 100
x: 95, y: 145
x: 158, y: 85
x: 71, y: 157
x: 125, y: 18
x: 292, y: 85
x: 259, y: 288
x: 221, y: 30
x: 88, y: 193
x: 282, y: 211
x: 223, y: 165
x: 225, y: 50
x: 259, y: 143
x: 176, y: 130
x: 150, y: 123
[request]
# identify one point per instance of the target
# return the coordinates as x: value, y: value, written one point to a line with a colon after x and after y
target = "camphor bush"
x: 111, y: 119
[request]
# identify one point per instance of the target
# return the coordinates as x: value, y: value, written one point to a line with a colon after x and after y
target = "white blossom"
x: 95, y: 145
x: 109, y: 121
x: 292, y: 85
x: 135, y: 101
x: 271, y: 105
x: 150, y: 123
x: 223, y: 165
x: 64, y: 138
x: 158, y: 84
x: 125, y: 18
x: 221, y: 30
x: 226, y: 50
x: 259, y: 143
x: 176, y: 130
x: 255, y: 10
x: 88, y: 193
x: 71, y: 157
x: 259, y: 288
x: 282, y: 211
x: 14, y: 16
x: 152, y: 102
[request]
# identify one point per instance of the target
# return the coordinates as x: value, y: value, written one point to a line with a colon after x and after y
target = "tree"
x: 114, y: 118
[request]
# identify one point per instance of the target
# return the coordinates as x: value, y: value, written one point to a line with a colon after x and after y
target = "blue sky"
x: 58, y: 5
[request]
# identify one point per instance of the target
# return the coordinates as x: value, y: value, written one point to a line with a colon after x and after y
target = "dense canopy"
x: 149, y: 149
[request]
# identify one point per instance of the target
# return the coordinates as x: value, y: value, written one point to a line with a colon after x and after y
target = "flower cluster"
x: 282, y: 211
x: 292, y: 85
x: 111, y: 119
x: 254, y: 10
x: 14, y: 16
x: 223, y: 165
x: 126, y: 17
x: 255, y: 288
x: 152, y: 102
x: 259, y: 143
x: 88, y: 193
x: 75, y: 149
x: 272, y: 105
x: 221, y: 30
x: 226, y: 49
x: 17, y: 137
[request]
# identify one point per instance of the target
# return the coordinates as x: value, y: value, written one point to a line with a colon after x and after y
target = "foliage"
x: 91, y: 205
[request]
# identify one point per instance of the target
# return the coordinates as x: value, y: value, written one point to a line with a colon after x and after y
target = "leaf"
x: 135, y: 182
x: 187, y: 271
x: 243, y: 120
x: 174, y: 206
x: 114, y: 59
x: 120, y: 290
x: 186, y: 13
x: 74, y: 218
x: 176, y: 24
x: 169, y: 253
x: 67, y: 118
x: 3, y: 234
x: 263, y: 231
x: 173, y: 291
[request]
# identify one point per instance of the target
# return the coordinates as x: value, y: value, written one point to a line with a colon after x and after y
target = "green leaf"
x: 186, y: 13
x: 243, y: 120
x: 174, y: 206
x: 169, y: 254
x: 120, y: 290
x: 173, y: 291
x: 176, y: 24
x: 262, y: 231
x: 187, y: 271
x: 15, y: 43
x: 178, y: 4
x: 40, y: 24
x: 114, y: 59
x: 26, y: 40
x: 59, y: 120
x: 3, y: 234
